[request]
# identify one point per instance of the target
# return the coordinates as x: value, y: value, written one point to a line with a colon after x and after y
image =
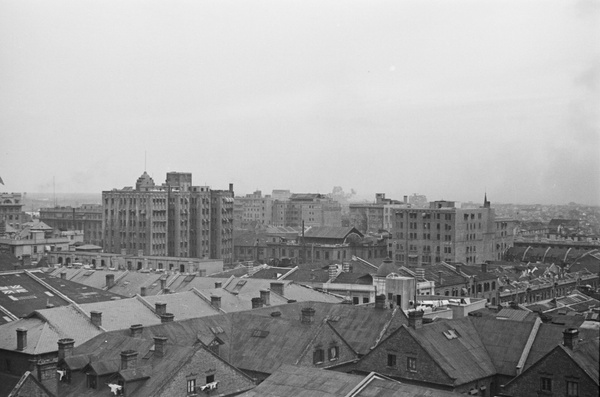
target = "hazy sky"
x: 444, y: 98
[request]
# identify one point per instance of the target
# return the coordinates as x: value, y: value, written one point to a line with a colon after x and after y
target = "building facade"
x: 87, y: 218
x: 10, y: 210
x: 443, y: 232
x: 253, y: 209
x: 375, y: 217
x: 174, y: 219
x: 311, y: 208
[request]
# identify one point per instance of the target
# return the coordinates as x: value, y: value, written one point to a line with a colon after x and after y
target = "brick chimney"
x: 160, y: 308
x: 458, y: 267
x: 571, y: 338
x: 136, y: 330
x: 265, y: 295
x: 308, y: 315
x: 143, y: 291
x: 110, y: 280
x: 484, y: 267
x: 440, y: 279
x: 160, y: 343
x: 21, y: 339
x: 380, y: 302
x: 96, y: 317
x: 163, y: 283
x: 218, y: 284
x: 346, y: 267
x: 256, y: 303
x: 277, y: 287
x: 65, y: 347
x: 415, y: 319
x: 63, y: 275
x: 128, y: 359
x: 167, y: 317
x: 215, y: 301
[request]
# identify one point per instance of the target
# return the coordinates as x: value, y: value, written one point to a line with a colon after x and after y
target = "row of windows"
x: 572, y: 387
x: 333, y: 353
x: 411, y: 362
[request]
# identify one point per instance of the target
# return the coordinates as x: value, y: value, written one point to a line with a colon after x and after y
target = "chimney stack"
x: 405, y: 199
x: 128, y: 359
x: 484, y: 267
x: 265, y: 295
x: 163, y: 283
x: 415, y: 319
x: 160, y: 343
x: 160, y: 308
x: 308, y: 315
x: 142, y: 291
x: 458, y: 267
x: 440, y: 279
x: 136, y: 330
x: 218, y: 284
x: 215, y: 301
x: 231, y: 187
x: 256, y: 303
x: 277, y: 287
x: 63, y: 275
x: 570, y: 338
x: 167, y: 317
x: 96, y: 318
x: 65, y: 347
x: 380, y: 301
x: 21, y: 339
x: 110, y: 280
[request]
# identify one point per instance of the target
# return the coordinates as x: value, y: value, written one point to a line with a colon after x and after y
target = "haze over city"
x: 449, y: 100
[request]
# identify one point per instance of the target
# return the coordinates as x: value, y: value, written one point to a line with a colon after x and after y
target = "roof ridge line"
x: 203, y: 297
x: 147, y: 304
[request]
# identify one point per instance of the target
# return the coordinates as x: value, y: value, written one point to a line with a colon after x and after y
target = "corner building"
x: 173, y: 219
x: 442, y: 232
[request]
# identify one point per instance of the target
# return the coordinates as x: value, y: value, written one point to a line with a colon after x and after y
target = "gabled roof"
x: 121, y: 314
x: 463, y: 358
x: 331, y: 232
x: 504, y: 341
x: 295, y: 381
x: 587, y: 356
x: 183, y: 305
x: 22, y: 294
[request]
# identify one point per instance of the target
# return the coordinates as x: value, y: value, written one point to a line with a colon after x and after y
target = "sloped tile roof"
x: 123, y: 313
x: 331, y: 232
x: 22, y: 294
x: 504, y: 341
x: 587, y: 356
x: 183, y: 305
x: 463, y: 358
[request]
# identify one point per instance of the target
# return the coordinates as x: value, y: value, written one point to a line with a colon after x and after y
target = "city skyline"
x: 446, y: 100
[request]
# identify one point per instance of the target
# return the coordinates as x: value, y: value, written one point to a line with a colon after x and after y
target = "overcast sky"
x: 444, y: 98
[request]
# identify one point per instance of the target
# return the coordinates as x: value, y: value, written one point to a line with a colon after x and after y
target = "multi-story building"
x: 87, y: 218
x: 311, y: 208
x: 174, y: 219
x: 253, y: 209
x: 10, y: 210
x: 375, y: 217
x: 444, y: 232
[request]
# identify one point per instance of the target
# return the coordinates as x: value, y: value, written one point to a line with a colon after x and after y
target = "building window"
x: 318, y: 356
x: 210, y: 379
x: 572, y: 389
x: 411, y: 364
x: 191, y: 386
x: 391, y: 360
x: 334, y: 353
x: 545, y: 384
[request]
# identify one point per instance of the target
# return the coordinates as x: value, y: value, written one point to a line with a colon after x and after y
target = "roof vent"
x: 276, y: 314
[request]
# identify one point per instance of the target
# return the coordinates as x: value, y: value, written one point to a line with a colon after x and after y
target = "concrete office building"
x: 443, y: 232
x: 174, y: 219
